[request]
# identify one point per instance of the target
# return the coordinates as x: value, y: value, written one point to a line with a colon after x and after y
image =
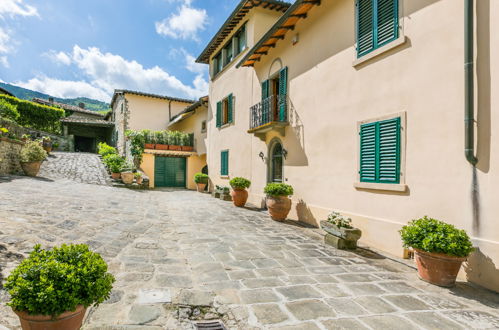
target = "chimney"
x: 81, y: 105
x: 51, y: 99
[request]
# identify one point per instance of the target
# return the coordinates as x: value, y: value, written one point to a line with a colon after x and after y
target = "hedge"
x: 37, y: 116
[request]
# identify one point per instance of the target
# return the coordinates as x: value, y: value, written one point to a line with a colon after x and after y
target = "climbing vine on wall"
x: 137, y: 141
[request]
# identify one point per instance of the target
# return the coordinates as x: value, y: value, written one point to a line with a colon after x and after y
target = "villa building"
x: 360, y: 106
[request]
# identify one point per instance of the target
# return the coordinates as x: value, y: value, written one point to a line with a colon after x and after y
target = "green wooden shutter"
x: 368, y: 153
x: 219, y: 114
x: 365, y: 26
x: 386, y: 21
x: 380, y: 151
x: 389, y: 151
x: 230, y: 104
x: 283, y: 91
x: 265, y: 89
x: 224, y: 163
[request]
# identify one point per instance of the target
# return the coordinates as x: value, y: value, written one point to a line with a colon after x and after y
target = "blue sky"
x: 70, y: 48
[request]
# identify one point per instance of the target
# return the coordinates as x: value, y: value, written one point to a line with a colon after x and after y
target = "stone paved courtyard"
x: 216, y: 261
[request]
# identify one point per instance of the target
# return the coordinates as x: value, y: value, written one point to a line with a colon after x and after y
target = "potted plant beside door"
x: 52, y: 289
x: 439, y: 249
x: 278, y: 201
x: 201, y: 181
x: 32, y: 156
x: 239, y: 193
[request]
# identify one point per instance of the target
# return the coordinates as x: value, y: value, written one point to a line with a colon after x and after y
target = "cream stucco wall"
x: 192, y: 124
x: 424, y: 78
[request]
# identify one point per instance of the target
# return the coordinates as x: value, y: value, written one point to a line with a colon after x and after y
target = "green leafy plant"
x: 137, y: 140
x: 56, y: 145
x: 104, y: 149
x: 35, y: 115
x: 239, y: 183
x: 46, y: 139
x: 278, y: 189
x: 26, y: 136
x: 137, y: 175
x: 32, y: 152
x: 3, y: 131
x: 435, y: 236
x: 339, y: 220
x: 8, y: 110
x: 201, y: 178
x: 159, y: 138
x: 51, y: 282
x: 114, y: 163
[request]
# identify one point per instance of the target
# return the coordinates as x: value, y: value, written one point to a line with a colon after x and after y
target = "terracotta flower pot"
x: 65, y: 321
x: 127, y: 177
x: 116, y: 176
x: 187, y: 148
x: 172, y: 147
x: 161, y: 146
x: 200, y: 186
x: 279, y: 207
x: 149, y: 146
x: 31, y: 168
x: 139, y: 180
x: 438, y: 268
x: 239, y: 197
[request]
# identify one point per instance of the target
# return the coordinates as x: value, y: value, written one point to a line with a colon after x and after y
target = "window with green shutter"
x: 377, y: 24
x: 380, y: 151
x: 224, y: 163
x: 219, y: 114
x: 225, y: 111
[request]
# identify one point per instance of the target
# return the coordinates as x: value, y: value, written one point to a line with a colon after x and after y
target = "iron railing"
x: 272, y: 109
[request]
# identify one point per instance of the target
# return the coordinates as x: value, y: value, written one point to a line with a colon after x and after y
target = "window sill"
x: 381, y: 186
x: 225, y: 125
x: 224, y: 177
x: 395, y: 43
x: 226, y: 67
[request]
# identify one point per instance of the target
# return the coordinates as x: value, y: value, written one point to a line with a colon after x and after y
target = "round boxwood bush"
x: 32, y: 152
x: 239, y: 183
x: 51, y: 282
x: 278, y: 189
x: 201, y: 178
x: 435, y: 236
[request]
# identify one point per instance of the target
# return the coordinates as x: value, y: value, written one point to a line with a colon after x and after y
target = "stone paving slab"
x: 221, y: 262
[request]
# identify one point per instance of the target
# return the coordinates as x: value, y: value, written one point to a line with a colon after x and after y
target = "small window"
x: 380, y: 151
x: 228, y: 53
x: 225, y: 111
x: 203, y: 126
x: 217, y: 63
x: 241, y: 39
x: 377, y: 24
x: 224, y: 163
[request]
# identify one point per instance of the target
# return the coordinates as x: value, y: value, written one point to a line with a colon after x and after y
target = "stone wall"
x: 64, y: 142
x: 10, y: 151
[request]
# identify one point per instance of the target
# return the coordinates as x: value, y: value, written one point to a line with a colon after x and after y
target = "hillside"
x: 27, y: 94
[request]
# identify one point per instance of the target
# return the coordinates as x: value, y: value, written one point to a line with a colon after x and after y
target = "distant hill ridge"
x: 27, y: 94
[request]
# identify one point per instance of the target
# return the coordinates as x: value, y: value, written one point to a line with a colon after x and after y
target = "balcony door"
x: 276, y: 162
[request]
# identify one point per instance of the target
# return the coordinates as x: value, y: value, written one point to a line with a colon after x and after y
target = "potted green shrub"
x: 239, y: 193
x: 115, y: 164
x: 278, y: 201
x: 339, y: 231
x: 439, y: 249
x: 26, y: 137
x: 103, y: 149
x: 148, y: 138
x: 201, y: 181
x: 47, y: 144
x: 32, y: 156
x: 52, y: 289
x: 127, y: 175
x: 174, y: 138
x: 138, y: 177
x: 186, y: 142
x: 161, y: 140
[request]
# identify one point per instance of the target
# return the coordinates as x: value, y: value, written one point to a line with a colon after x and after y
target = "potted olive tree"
x: 52, y: 289
x: 439, y: 249
x: 278, y: 201
x: 339, y: 231
x: 239, y: 193
x: 201, y: 181
x: 32, y: 156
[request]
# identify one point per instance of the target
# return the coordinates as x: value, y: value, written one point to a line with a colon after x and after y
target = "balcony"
x: 271, y: 114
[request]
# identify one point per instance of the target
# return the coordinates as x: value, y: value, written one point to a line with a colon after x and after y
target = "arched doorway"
x: 276, y: 161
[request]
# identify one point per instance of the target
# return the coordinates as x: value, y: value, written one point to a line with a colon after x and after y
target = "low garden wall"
x: 65, y: 143
x: 10, y: 151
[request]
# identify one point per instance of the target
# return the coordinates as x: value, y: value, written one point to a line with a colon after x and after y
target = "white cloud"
x: 64, y: 88
x: 5, y: 46
x: 58, y: 57
x: 4, y: 61
x: 13, y: 8
x: 184, y: 24
x: 106, y: 72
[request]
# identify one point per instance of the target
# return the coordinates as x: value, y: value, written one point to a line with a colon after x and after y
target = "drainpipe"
x: 469, y: 85
x: 169, y: 110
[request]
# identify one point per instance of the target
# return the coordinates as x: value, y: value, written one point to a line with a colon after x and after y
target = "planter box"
x: 173, y: 147
x: 187, y: 148
x: 222, y: 193
x: 341, y: 238
x: 161, y: 146
x: 149, y: 146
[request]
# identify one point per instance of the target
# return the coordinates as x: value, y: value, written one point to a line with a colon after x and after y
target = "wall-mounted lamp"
x: 261, y: 155
x: 284, y: 153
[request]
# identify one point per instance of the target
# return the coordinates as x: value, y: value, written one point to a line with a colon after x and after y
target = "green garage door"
x: 169, y: 172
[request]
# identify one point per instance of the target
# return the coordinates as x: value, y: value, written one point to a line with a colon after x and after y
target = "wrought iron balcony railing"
x: 273, y: 109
